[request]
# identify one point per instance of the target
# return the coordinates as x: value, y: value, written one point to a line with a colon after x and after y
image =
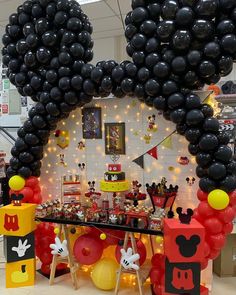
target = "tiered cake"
x: 114, y: 180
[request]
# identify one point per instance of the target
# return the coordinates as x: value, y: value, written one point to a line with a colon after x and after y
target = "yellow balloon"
x: 56, y: 231
x: 218, y: 199
x: 104, y: 274
x: 16, y: 183
x: 159, y: 240
x: 103, y: 236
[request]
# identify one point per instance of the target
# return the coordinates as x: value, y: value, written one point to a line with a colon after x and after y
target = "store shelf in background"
x: 229, y: 99
x: 71, y: 183
x: 72, y: 194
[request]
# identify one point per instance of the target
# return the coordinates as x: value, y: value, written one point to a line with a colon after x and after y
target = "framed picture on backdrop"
x: 115, y: 138
x: 92, y: 123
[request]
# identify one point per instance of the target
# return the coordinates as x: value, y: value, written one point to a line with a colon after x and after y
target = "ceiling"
x: 104, y: 15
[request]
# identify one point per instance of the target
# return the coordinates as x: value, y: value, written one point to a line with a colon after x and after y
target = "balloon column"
x: 29, y: 188
x: 176, y: 46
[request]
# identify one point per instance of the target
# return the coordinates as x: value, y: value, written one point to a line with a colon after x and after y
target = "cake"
x: 114, y: 180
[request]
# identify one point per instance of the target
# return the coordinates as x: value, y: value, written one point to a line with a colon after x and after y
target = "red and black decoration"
x: 176, y: 46
x: 184, y: 250
x: 181, y: 278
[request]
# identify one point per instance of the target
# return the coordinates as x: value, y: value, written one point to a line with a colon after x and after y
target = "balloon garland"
x: 176, y: 46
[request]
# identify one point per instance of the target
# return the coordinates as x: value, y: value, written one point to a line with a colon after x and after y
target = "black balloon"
x: 223, y: 153
x: 208, y: 142
x: 193, y: 134
x: 207, y: 185
x: 194, y: 117
x: 217, y: 171
x: 176, y: 46
x: 211, y: 125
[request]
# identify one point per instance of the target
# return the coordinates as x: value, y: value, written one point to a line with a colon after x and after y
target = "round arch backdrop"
x: 176, y: 46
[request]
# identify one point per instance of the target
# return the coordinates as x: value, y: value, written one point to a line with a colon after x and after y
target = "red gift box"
x: 184, y: 242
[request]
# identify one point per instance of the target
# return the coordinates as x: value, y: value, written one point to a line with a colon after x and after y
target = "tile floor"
x: 225, y: 286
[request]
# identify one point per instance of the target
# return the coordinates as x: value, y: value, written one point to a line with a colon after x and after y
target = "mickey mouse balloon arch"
x: 176, y: 46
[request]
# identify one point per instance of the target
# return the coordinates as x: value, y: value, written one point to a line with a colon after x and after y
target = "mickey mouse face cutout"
x: 187, y: 248
x: 176, y: 46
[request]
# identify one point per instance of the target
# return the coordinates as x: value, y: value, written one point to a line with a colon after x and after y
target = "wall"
x: 135, y: 115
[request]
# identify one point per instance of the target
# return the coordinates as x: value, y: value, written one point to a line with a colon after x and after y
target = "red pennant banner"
x: 153, y: 152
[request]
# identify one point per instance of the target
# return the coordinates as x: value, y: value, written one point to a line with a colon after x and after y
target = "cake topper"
x: 185, y: 218
x: 114, y: 157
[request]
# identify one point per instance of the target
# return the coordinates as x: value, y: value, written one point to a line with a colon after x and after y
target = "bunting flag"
x: 167, y: 143
x: 139, y: 161
x: 153, y: 152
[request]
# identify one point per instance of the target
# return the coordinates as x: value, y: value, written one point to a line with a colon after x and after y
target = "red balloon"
x: 205, y: 210
x: 155, y: 275
x: 207, y: 249
x: 197, y: 216
x: 214, y: 253
x: 37, y: 199
x: 232, y: 197
x: 141, y: 249
x: 158, y: 260
x: 37, y: 189
x: 227, y: 215
x: 157, y: 290
x: 228, y: 228
x: 204, y: 263
x: 113, y: 236
x: 46, y: 257
x: 201, y: 195
x: 62, y: 266
x: 88, y: 249
x: 213, y: 226
x: 32, y: 181
x: 28, y: 194
x: 45, y: 269
x: 217, y: 241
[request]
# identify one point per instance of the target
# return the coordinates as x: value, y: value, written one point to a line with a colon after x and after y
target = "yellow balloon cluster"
x: 16, y: 183
x: 104, y: 274
x: 218, y: 199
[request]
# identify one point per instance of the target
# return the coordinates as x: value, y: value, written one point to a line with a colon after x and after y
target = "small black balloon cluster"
x: 176, y: 46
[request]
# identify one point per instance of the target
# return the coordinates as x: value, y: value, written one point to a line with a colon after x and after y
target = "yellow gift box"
x: 17, y: 220
x: 20, y: 273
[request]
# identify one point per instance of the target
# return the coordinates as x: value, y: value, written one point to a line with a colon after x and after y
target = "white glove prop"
x: 21, y: 249
x: 128, y: 259
x: 113, y: 218
x: 80, y: 215
x: 59, y: 248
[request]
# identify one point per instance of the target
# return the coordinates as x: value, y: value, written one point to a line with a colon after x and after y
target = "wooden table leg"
x: 53, y: 270
x: 72, y: 266
x: 54, y: 263
x: 69, y: 259
x: 152, y: 246
x: 134, y: 248
x: 120, y: 269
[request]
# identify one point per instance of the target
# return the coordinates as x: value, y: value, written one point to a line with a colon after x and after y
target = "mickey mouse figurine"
x: 17, y: 199
x: 135, y: 195
x: 93, y: 195
x: 152, y: 127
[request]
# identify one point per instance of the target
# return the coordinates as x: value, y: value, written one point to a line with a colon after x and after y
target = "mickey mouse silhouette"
x: 188, y: 248
x: 174, y: 51
x: 184, y: 217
